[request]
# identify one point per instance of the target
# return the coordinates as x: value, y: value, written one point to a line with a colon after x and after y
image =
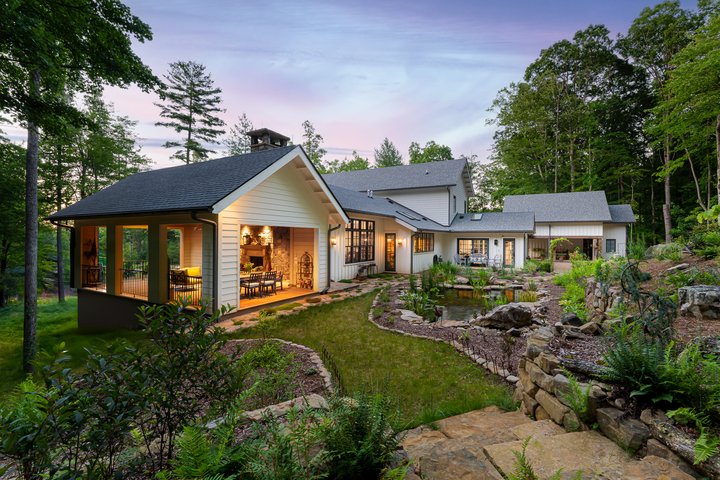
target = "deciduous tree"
x: 431, y: 152
x: 312, y: 144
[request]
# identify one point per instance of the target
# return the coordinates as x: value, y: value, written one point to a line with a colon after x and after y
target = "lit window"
x: 359, y: 241
x: 424, y: 242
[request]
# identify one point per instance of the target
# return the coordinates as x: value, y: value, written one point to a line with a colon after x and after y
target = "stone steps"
x: 480, y: 445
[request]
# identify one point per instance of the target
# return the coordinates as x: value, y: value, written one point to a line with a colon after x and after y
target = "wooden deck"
x: 282, y: 296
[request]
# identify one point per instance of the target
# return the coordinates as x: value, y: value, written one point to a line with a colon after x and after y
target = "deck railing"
x: 93, y: 277
x: 135, y: 279
x: 185, y: 288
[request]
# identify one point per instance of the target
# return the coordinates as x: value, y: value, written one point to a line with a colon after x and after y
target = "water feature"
x: 465, y: 305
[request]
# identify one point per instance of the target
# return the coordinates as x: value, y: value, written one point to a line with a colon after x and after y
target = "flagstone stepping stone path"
x: 480, y: 445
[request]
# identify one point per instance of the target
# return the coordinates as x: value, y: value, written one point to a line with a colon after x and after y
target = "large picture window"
x: 424, y: 242
x: 473, y: 246
x: 359, y: 241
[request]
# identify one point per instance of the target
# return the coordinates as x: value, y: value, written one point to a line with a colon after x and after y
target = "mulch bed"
x: 307, y: 379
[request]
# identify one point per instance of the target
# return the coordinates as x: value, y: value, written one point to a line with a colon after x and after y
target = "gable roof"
x: 494, y: 222
x: 417, y: 175
x: 562, y: 207
x: 359, y: 202
x: 622, y: 213
x: 193, y: 187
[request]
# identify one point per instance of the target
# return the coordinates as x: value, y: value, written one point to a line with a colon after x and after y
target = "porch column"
x: 113, y: 274
x: 157, y: 264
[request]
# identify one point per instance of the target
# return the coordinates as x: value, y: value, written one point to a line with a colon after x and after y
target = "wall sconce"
x: 333, y: 242
x: 400, y: 242
x: 495, y: 242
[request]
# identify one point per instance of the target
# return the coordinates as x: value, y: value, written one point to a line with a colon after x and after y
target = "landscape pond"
x: 467, y: 305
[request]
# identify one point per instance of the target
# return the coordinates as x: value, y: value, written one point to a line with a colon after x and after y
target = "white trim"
x: 406, y: 225
x: 296, y: 152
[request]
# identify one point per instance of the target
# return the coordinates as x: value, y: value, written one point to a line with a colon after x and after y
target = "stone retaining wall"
x: 601, y: 300
x: 543, y: 391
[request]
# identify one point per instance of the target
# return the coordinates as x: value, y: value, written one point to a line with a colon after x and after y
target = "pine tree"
x: 387, y: 155
x: 191, y: 107
x: 238, y: 141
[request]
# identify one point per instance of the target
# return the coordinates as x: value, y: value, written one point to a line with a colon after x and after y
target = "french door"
x: 509, y: 252
x: 389, y: 252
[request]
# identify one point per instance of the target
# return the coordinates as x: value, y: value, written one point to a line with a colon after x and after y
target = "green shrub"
x: 637, y: 248
x: 531, y: 266
x: 670, y: 251
x: 270, y: 372
x: 359, y: 438
x: 479, y: 278
x: 420, y: 303
x: 706, y: 244
x: 444, y: 272
x: 577, y: 398
x: 635, y: 361
x: 532, y: 286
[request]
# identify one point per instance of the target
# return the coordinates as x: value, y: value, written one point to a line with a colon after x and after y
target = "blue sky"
x: 360, y: 71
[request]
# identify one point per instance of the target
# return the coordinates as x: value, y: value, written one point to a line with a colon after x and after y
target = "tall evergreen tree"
x: 238, y: 141
x: 312, y: 144
x: 44, y: 44
x: 387, y: 155
x: 190, y: 105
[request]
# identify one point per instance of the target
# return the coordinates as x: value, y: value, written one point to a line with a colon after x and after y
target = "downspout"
x: 72, y: 249
x: 329, y: 251
x: 216, y: 267
x: 450, y: 202
x: 412, y: 254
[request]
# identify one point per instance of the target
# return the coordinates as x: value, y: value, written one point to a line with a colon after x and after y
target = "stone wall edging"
x: 487, y: 365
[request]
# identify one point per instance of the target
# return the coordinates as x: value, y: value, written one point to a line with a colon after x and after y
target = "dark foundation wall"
x: 100, y: 311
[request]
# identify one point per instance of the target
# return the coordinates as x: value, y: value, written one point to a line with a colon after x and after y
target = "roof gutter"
x: 215, y: 257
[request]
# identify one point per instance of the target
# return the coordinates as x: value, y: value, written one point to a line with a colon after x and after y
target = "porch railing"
x: 93, y: 276
x: 135, y: 279
x: 185, y: 288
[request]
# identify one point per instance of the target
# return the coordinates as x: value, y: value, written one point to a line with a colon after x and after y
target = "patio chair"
x: 279, y: 281
x: 268, y: 282
x: 252, y: 285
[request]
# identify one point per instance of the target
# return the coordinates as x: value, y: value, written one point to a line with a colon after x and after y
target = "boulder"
x: 590, y: 328
x: 571, y: 319
x: 461, y: 280
x: 702, y: 301
x: 508, y: 316
x: 662, y: 249
x: 623, y: 430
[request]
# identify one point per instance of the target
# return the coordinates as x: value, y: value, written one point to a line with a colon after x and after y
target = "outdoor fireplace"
x: 258, y: 261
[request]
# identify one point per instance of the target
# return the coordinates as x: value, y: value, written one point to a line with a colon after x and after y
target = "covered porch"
x: 141, y: 260
x: 539, y: 249
x: 276, y: 264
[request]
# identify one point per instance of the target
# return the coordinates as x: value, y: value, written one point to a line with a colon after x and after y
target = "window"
x: 473, y: 246
x: 359, y: 241
x: 454, y: 204
x: 610, y: 245
x: 424, y: 242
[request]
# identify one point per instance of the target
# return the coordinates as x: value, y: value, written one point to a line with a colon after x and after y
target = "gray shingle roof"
x: 193, y: 187
x: 622, y: 213
x: 494, y: 222
x: 562, y: 207
x: 352, y: 201
x: 419, y: 175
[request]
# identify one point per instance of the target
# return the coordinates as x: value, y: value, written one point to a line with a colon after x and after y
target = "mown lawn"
x: 428, y: 380
x: 56, y: 323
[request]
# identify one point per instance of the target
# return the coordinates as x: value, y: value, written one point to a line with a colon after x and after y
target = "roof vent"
x: 427, y: 172
x: 477, y: 217
x: 370, y: 193
x: 406, y: 215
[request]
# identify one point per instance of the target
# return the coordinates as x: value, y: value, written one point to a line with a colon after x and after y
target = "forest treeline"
x: 637, y: 115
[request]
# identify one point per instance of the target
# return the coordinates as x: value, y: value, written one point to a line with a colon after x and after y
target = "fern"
x: 524, y: 469
x: 577, y: 398
x: 707, y: 444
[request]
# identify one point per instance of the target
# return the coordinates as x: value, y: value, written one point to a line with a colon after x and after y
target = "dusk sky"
x: 359, y: 71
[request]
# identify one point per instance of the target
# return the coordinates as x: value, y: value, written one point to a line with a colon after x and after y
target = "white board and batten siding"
x: 617, y: 232
x: 568, y: 230
x: 285, y: 199
x: 430, y: 202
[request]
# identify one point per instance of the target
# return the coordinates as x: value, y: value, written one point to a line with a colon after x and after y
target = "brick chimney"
x: 264, y: 139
